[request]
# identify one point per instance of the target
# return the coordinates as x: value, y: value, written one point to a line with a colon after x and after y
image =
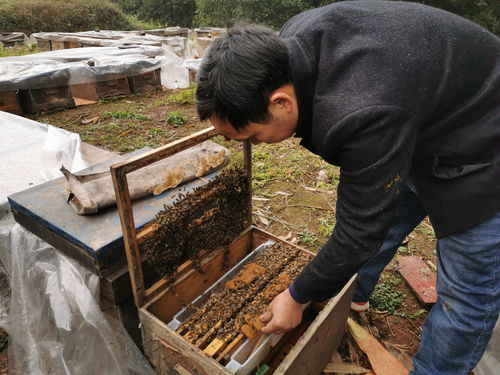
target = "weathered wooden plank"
x: 314, y: 349
x: 167, y: 150
x: 419, y: 277
x: 124, y: 204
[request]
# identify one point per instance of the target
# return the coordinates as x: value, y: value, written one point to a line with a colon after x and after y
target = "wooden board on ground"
x: 419, y: 277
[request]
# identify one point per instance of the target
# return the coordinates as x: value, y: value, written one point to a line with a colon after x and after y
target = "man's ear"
x: 283, y: 98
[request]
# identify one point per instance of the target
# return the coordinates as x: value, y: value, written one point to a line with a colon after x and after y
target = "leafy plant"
x: 183, y: 97
x: 325, y: 228
x: 31, y: 16
x: 386, y: 297
x: 175, y: 118
x: 172, y: 12
x: 307, y: 237
x: 156, y: 131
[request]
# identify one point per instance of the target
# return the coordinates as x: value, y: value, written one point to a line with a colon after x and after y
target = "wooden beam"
x: 124, y: 204
x: 165, y: 151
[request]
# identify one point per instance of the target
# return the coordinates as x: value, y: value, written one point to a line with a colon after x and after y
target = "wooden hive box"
x: 9, y: 102
x: 145, y: 82
x: 112, y: 86
x: 305, y: 350
x: 46, y: 99
x: 57, y: 44
x: 68, y: 45
x: 43, y: 44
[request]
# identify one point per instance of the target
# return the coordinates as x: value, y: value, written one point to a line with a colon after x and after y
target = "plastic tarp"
x: 56, y: 324
x: 71, y: 66
x: 32, y: 153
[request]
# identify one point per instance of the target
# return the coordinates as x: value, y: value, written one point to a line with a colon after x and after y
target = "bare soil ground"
x: 294, y: 194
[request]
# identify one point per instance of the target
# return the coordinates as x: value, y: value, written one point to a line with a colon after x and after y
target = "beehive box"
x: 46, y: 99
x: 111, y: 86
x: 306, y: 350
x: 9, y: 102
x: 145, y: 82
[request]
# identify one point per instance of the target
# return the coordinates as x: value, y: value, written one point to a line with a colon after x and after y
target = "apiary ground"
x: 294, y: 192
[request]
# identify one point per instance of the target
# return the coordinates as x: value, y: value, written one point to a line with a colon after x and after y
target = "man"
x: 405, y: 99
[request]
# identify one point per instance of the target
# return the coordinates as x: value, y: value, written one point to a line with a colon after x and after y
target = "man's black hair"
x: 239, y: 72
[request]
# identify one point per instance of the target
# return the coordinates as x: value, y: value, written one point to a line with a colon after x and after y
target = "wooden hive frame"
x: 169, y: 351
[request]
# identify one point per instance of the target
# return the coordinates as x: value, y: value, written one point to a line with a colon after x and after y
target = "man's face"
x: 282, y: 125
x: 270, y: 132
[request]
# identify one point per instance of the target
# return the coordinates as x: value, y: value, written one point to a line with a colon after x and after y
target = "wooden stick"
x: 231, y: 348
x: 214, y: 347
x: 203, y: 341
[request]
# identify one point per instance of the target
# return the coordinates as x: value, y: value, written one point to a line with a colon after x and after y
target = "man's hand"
x: 283, y: 314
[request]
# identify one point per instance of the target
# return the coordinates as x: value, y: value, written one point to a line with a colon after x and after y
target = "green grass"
x: 183, y: 97
x: 175, y: 118
x: 17, y: 51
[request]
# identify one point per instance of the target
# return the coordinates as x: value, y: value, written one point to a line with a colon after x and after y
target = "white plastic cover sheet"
x: 57, y: 327
x: 71, y: 66
x: 32, y: 153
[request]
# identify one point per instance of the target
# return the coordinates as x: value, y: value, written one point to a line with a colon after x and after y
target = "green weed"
x: 175, y: 118
x: 307, y: 237
x: 111, y: 126
x: 183, y: 97
x: 326, y: 227
x: 386, y: 297
x: 156, y: 131
x: 417, y: 314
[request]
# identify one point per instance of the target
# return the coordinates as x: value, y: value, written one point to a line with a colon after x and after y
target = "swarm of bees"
x: 207, y: 219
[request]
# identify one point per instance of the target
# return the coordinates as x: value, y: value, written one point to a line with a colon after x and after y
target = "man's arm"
x: 374, y: 150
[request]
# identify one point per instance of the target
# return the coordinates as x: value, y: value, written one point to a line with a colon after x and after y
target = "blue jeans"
x: 459, y: 325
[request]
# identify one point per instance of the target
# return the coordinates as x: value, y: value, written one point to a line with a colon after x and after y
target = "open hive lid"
x: 132, y: 237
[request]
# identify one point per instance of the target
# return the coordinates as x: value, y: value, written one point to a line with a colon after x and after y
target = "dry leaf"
x: 382, y: 361
x: 284, y: 193
x: 286, y: 237
x: 92, y: 120
x: 255, y: 198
